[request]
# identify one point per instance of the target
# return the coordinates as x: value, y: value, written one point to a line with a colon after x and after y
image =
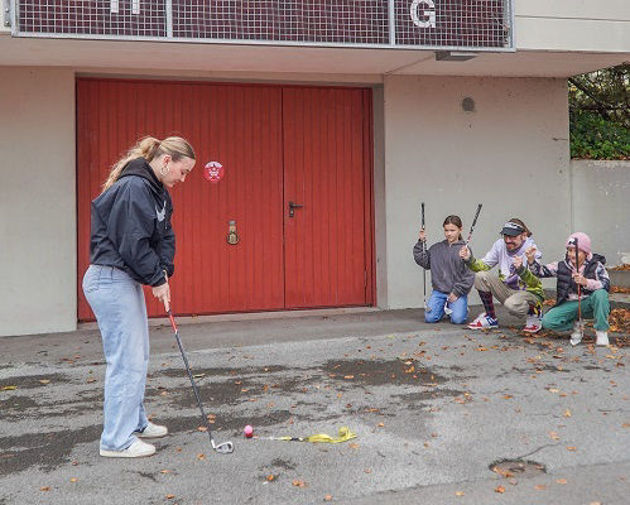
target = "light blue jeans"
x: 118, y: 303
x: 436, y: 303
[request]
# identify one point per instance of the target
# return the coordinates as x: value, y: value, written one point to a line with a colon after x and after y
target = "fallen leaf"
x: 381, y: 425
x: 367, y: 470
x: 348, y: 376
x: 44, y: 488
x: 8, y: 388
x: 201, y: 456
x: 571, y: 448
x: 44, y: 381
x: 202, y: 428
x: 562, y: 481
x: 459, y: 493
x: 540, y: 487
x: 299, y: 483
x: 567, y: 413
x: 166, y: 471
x: 353, y: 445
x: 499, y: 489
x: 170, y: 496
x: 554, y: 435
x: 74, y: 479
x: 328, y: 497
x: 270, y: 477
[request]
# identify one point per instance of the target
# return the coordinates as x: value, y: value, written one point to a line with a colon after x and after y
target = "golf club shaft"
x: 474, y: 222
x: 424, y: 272
x: 579, y: 287
x: 190, y: 376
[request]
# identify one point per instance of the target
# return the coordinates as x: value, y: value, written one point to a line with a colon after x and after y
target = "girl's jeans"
x: 596, y: 306
x: 436, y: 304
x: 118, y: 302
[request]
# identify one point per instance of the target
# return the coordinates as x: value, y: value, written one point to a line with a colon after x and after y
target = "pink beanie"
x: 583, y: 241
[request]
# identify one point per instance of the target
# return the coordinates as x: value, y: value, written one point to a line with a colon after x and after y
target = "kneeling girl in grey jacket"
x: 451, y: 279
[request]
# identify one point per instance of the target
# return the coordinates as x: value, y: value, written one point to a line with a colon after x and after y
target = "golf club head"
x: 224, y: 448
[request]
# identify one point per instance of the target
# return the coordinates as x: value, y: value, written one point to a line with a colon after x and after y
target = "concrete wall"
x: 37, y: 201
x: 601, y: 205
x: 511, y: 154
x: 572, y: 25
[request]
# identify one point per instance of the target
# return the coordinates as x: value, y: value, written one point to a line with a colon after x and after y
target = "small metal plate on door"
x: 232, y: 236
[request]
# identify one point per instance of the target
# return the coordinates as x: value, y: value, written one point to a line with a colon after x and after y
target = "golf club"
x: 474, y: 222
x: 424, y: 272
x: 579, y: 291
x: 225, y: 447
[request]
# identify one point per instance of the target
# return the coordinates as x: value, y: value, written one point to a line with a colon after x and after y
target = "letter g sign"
x: 423, y: 13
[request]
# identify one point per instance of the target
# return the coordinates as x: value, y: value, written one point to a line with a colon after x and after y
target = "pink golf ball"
x: 249, y: 431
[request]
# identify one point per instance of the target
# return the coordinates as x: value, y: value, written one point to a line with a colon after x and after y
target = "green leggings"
x: 596, y: 306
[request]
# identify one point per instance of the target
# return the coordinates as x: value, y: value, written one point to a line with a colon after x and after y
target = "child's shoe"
x: 483, y: 322
x: 533, y: 324
x: 602, y: 337
x: 577, y: 334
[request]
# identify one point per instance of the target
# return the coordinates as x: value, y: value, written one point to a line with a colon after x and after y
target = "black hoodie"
x: 131, y: 226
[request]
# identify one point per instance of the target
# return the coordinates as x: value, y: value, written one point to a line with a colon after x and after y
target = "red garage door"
x: 281, y: 147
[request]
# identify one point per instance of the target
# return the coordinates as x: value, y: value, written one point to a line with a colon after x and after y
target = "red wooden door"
x: 327, y: 160
x: 238, y: 126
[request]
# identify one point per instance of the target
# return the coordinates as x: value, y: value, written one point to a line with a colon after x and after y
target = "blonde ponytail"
x: 150, y: 148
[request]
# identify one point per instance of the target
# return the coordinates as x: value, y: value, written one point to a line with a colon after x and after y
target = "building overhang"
x: 194, y: 57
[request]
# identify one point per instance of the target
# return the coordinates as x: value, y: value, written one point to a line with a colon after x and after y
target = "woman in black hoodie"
x: 132, y: 244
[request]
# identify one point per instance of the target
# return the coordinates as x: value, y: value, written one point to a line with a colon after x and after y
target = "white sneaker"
x: 533, y: 324
x: 138, y: 449
x: 152, y: 431
x: 577, y: 334
x: 483, y: 321
x: 602, y: 337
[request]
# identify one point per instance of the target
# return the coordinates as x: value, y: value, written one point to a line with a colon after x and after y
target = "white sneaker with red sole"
x: 483, y: 322
x: 533, y: 324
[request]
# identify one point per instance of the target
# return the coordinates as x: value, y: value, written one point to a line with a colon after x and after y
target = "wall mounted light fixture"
x: 453, y: 56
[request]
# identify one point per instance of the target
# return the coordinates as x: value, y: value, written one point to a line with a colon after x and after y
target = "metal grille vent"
x: 439, y: 24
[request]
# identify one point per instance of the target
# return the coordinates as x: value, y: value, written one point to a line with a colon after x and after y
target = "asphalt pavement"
x: 435, y: 408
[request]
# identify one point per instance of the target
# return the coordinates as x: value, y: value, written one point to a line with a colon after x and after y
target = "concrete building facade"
x: 491, y: 130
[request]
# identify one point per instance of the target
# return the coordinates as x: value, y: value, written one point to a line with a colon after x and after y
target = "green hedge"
x: 592, y: 137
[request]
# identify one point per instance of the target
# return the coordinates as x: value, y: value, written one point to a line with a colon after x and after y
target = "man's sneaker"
x: 483, y: 321
x: 577, y: 334
x: 533, y: 324
x: 602, y: 337
x: 152, y: 431
x: 138, y: 449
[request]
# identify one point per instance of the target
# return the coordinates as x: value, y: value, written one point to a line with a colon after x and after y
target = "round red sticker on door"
x: 213, y: 172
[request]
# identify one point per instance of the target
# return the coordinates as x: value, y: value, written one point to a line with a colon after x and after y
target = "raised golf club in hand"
x: 464, y: 253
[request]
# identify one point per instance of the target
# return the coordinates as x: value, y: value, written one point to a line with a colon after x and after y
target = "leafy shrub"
x: 593, y: 137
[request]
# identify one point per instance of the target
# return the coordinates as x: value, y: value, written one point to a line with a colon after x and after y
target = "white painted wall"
x: 511, y: 154
x: 572, y: 25
x: 37, y: 201
x: 601, y: 205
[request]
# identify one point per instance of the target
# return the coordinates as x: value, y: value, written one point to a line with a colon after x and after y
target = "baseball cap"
x: 512, y: 229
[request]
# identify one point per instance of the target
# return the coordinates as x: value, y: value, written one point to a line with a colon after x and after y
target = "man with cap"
x: 518, y: 289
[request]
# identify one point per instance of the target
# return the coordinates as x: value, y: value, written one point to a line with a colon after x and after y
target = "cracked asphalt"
x: 434, y: 407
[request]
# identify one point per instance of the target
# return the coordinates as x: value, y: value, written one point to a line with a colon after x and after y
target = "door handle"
x: 292, y: 207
